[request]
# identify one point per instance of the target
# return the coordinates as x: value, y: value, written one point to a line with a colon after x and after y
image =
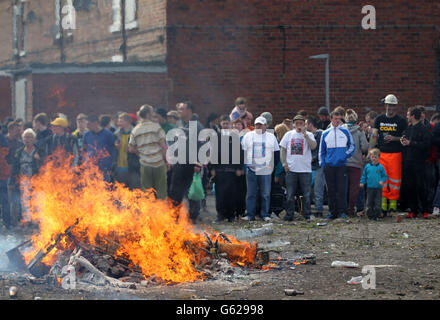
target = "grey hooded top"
x: 361, y: 143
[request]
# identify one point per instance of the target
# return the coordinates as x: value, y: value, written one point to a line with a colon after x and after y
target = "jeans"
x: 374, y: 202
x: 318, y: 189
x: 292, y: 181
x: 4, y: 203
x: 336, y: 178
x: 255, y: 182
x: 360, y: 200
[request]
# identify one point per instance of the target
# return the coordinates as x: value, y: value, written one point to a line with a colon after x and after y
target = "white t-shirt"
x: 259, y: 150
x: 298, y: 152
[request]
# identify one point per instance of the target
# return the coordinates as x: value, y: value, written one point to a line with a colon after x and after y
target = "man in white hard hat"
x: 387, y: 131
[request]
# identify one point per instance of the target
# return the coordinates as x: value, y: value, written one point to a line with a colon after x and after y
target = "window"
x: 130, y: 15
x: 64, y: 16
x: 19, y: 27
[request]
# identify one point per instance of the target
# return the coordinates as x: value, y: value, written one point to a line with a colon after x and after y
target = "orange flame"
x: 152, y: 233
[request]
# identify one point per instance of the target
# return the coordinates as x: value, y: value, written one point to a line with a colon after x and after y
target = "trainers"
x: 426, y: 215
x: 411, y: 215
x: 331, y: 217
x: 275, y: 216
x: 247, y: 218
x: 287, y: 218
x: 267, y: 219
x: 343, y: 216
x: 436, y: 211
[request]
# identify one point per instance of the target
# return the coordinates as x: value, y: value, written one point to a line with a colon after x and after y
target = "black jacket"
x: 418, y: 149
x: 232, y: 161
x: 36, y: 164
x: 67, y: 141
x: 184, y: 127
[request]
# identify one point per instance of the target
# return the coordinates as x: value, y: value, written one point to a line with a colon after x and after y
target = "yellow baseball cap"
x: 60, y: 122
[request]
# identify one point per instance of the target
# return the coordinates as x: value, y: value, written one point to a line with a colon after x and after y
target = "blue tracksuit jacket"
x: 336, y: 147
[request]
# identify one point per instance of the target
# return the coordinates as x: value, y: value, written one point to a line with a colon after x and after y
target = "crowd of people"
x: 378, y: 165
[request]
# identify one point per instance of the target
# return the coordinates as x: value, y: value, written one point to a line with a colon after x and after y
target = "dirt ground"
x: 411, y: 246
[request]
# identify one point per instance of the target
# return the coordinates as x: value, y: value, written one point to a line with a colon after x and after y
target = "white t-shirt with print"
x: 298, y: 152
x: 259, y: 151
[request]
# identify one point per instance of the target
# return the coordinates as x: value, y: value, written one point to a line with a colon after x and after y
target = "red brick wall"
x: 218, y: 50
x: 92, y: 40
x: 5, y: 98
x: 97, y: 93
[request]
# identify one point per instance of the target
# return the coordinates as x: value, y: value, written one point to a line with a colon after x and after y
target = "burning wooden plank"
x: 36, y: 267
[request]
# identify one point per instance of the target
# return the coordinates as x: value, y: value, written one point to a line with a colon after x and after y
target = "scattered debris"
x: 241, y: 288
x: 293, y: 292
x: 405, y: 235
x: 274, y: 244
x: 347, y: 264
x: 382, y: 265
x: 266, y: 230
x: 355, y: 280
x: 13, y: 291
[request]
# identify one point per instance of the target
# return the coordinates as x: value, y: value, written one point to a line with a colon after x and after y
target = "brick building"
x: 212, y: 51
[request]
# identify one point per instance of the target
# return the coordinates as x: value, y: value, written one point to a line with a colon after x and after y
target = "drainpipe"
x: 15, y: 32
x: 325, y: 56
x: 60, y: 31
x: 124, y: 35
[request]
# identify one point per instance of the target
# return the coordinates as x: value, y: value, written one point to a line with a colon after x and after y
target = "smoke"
x: 7, y: 242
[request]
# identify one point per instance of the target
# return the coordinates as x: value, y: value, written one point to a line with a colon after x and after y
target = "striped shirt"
x: 146, y: 136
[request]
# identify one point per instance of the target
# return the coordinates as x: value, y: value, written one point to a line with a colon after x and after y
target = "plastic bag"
x: 196, y: 191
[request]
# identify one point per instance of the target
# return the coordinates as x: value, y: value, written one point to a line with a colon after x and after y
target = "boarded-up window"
x: 19, y: 27
x: 65, y: 16
x: 130, y: 15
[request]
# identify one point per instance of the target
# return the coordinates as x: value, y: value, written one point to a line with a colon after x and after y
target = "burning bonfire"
x: 83, y: 221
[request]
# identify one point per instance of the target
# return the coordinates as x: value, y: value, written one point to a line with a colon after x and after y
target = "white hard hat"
x: 390, y: 99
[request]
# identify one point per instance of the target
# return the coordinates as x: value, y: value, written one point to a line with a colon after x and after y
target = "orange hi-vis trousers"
x: 392, y: 163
